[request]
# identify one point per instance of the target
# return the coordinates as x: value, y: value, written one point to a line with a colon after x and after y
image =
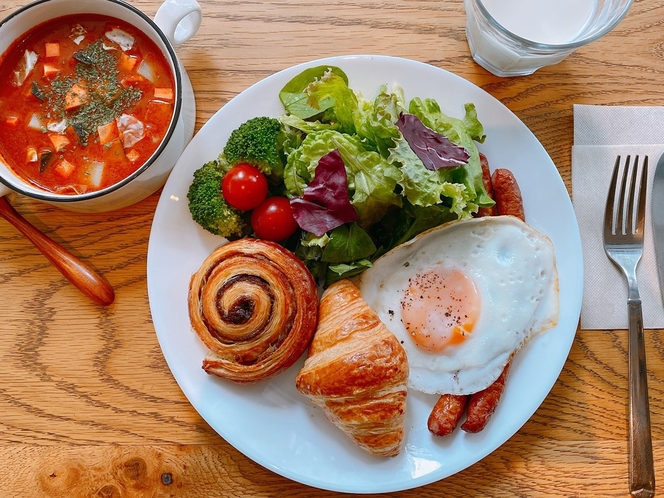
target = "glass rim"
x: 552, y: 46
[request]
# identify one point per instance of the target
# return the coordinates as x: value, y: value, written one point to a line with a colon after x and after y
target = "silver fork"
x: 624, y: 219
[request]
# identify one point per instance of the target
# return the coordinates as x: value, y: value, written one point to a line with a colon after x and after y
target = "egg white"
x: 513, y: 267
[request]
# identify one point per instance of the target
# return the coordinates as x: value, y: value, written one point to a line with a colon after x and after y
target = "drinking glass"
x: 517, y: 37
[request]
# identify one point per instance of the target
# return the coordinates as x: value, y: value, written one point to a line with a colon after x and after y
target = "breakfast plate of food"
x: 325, y: 387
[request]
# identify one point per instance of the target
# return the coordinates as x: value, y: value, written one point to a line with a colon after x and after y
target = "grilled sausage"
x: 446, y: 414
x: 507, y: 194
x: 482, y: 404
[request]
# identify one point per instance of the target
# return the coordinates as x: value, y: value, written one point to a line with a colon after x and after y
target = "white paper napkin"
x: 601, y: 133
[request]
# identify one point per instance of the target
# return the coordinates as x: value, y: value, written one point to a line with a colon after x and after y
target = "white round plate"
x: 273, y: 424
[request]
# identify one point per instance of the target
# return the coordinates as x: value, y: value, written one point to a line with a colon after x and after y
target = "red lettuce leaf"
x: 434, y: 150
x: 325, y: 204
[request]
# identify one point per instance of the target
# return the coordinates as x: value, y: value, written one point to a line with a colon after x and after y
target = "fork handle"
x: 641, y: 467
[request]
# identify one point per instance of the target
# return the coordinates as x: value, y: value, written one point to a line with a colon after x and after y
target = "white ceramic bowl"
x: 175, y: 22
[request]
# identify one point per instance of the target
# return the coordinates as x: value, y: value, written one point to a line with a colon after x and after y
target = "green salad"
x: 357, y: 176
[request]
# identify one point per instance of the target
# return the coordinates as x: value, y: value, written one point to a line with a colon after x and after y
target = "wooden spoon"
x: 78, y: 273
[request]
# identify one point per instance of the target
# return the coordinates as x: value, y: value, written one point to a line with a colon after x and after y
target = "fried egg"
x: 463, y: 298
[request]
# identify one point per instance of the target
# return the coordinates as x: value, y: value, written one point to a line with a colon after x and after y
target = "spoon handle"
x: 78, y: 273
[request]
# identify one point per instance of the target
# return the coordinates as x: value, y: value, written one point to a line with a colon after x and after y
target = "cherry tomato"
x: 273, y: 219
x: 244, y: 187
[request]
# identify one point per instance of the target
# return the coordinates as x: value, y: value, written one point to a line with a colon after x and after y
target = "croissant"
x: 356, y: 371
x: 254, y: 305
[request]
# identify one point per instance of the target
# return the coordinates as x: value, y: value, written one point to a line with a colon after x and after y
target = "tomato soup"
x: 85, y: 100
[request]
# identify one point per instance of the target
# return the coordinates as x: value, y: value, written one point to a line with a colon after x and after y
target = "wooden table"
x: 88, y: 406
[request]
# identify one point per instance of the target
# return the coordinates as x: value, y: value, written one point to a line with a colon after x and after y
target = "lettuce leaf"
x: 323, y: 92
x: 376, y: 121
x: 346, y: 270
x: 332, y: 87
x: 294, y: 95
x: 325, y: 204
x: 348, y: 243
x: 371, y: 178
x: 464, y: 132
x: 291, y: 121
x: 434, y: 150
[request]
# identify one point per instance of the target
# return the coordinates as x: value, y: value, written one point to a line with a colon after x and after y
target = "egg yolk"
x: 440, y: 308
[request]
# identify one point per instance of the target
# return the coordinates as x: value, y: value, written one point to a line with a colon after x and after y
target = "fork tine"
x: 623, y: 221
x: 631, y: 206
x: 625, y: 216
x: 610, y: 199
x: 640, y: 222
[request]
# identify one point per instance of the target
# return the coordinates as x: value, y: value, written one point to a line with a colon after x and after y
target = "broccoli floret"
x: 257, y: 142
x: 208, y: 207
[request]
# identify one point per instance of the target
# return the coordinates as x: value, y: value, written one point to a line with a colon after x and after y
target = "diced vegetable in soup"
x: 84, y: 102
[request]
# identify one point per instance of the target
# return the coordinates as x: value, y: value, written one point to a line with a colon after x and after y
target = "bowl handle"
x: 179, y: 20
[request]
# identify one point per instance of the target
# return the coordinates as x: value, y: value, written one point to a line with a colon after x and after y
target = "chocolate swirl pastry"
x: 254, y: 305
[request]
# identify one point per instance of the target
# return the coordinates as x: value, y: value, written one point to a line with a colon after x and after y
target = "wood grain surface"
x: 88, y: 406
